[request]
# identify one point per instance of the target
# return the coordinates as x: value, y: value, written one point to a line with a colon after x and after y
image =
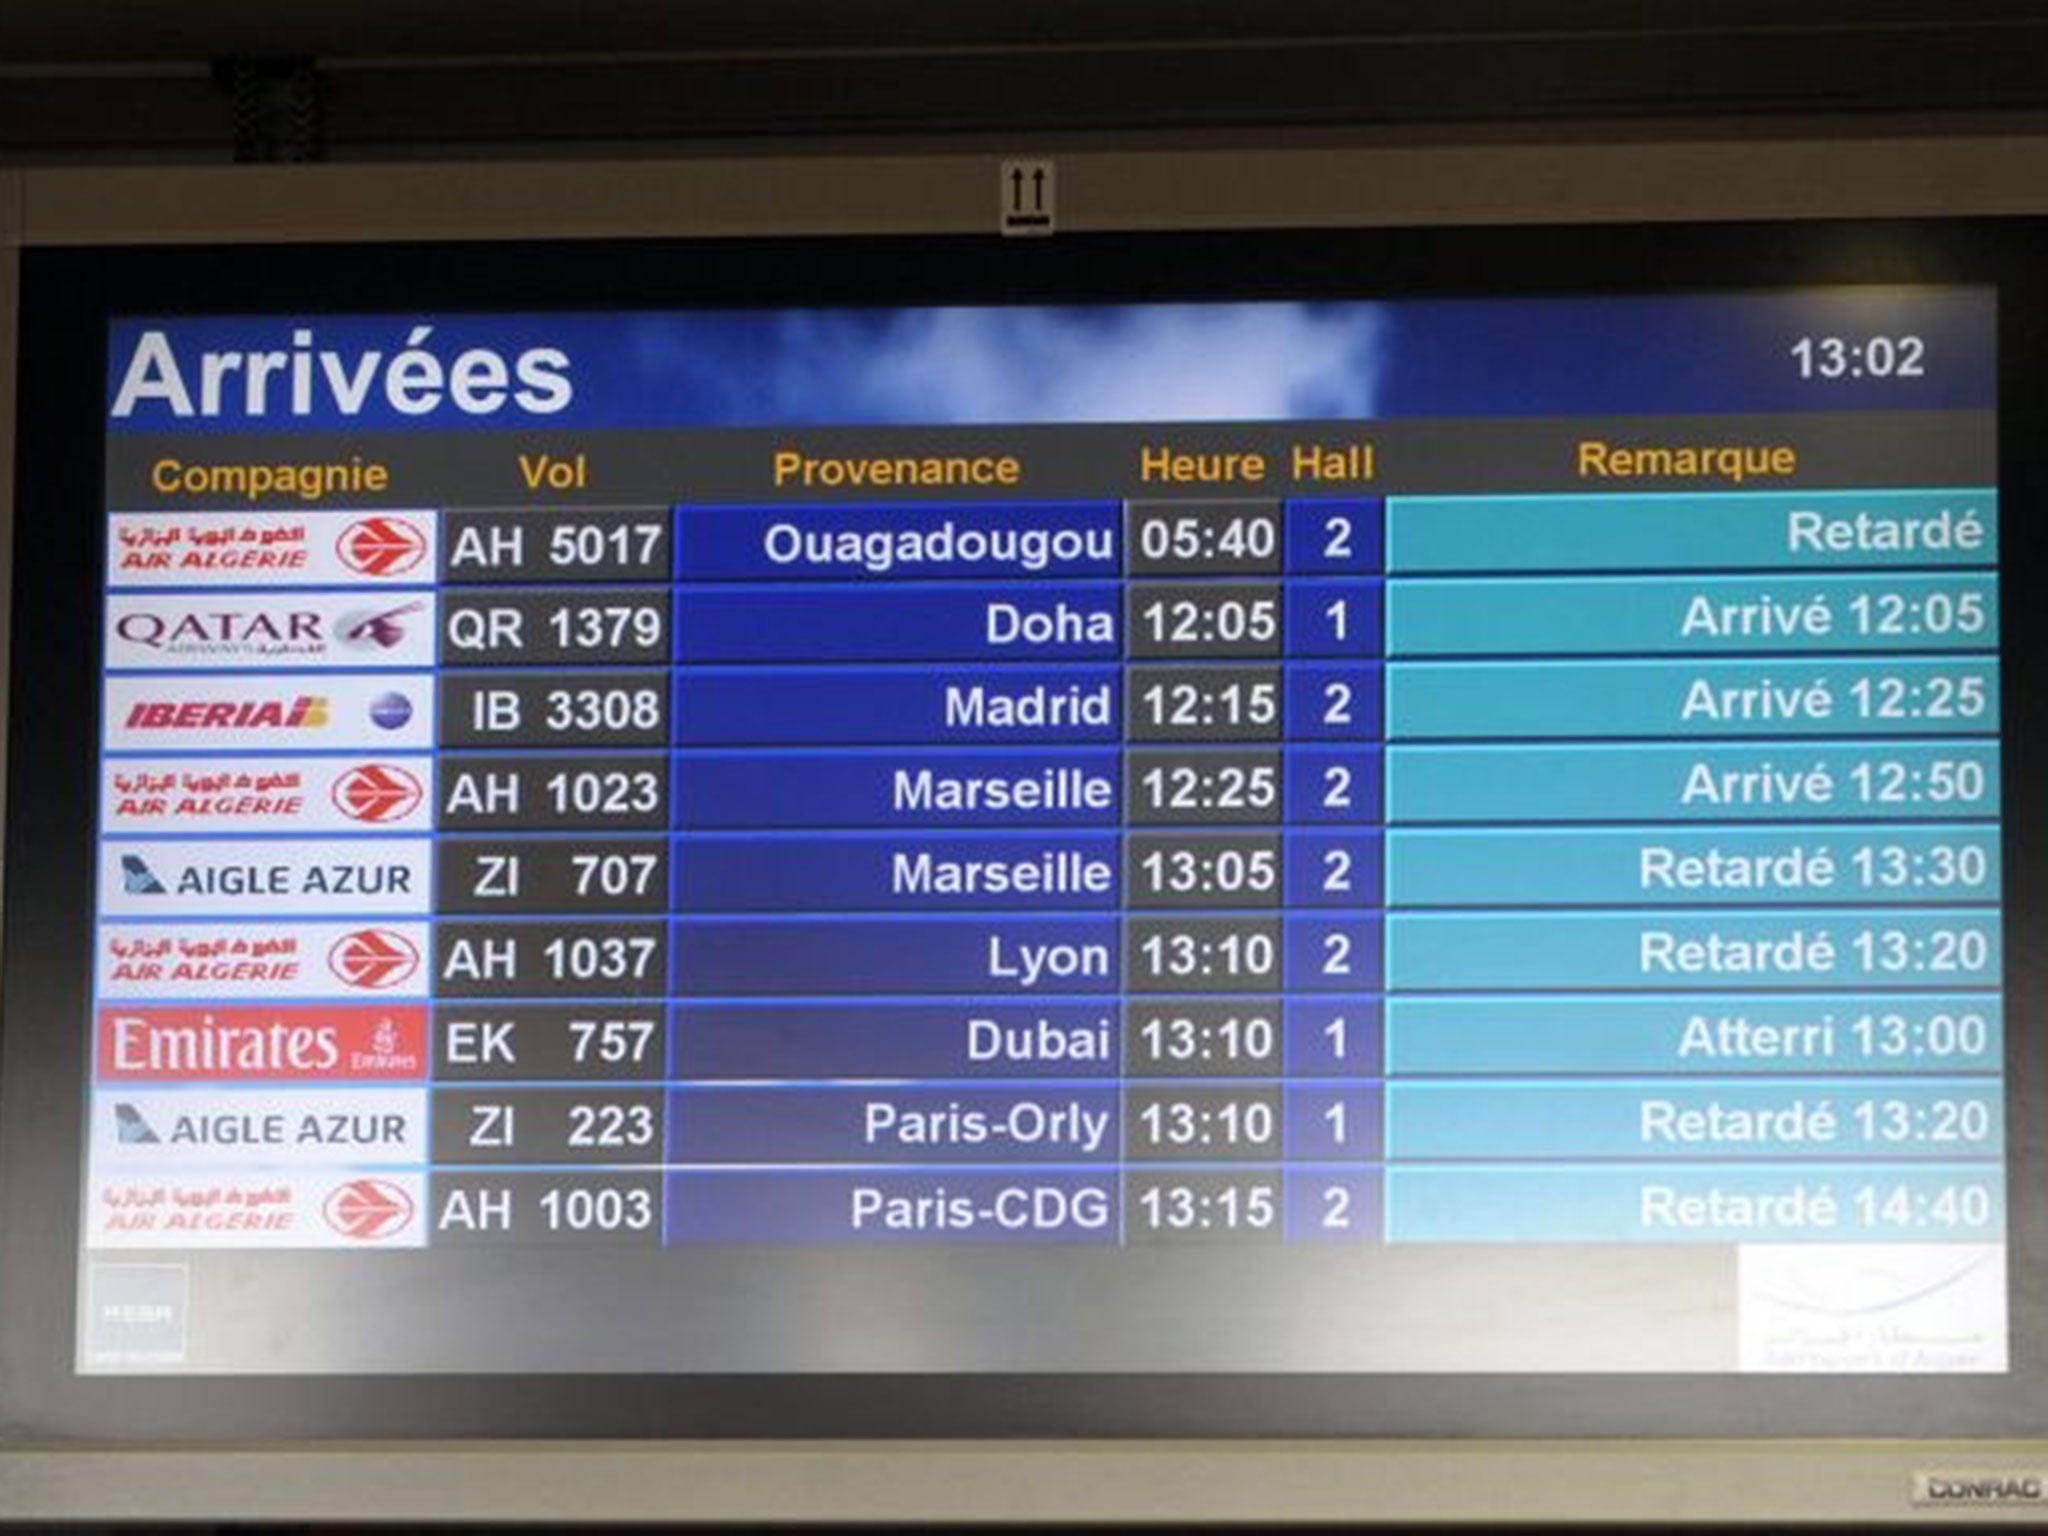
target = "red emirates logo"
x: 373, y: 958
x: 367, y: 1210
x: 381, y: 546
x: 378, y: 792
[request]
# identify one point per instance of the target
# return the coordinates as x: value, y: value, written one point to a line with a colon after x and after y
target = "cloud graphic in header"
x: 1180, y: 362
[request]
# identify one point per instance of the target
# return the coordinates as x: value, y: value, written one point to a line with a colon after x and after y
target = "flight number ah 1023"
x: 628, y: 792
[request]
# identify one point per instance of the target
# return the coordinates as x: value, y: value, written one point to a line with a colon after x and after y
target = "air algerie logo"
x: 378, y: 792
x: 368, y: 1209
x: 373, y: 958
x: 381, y: 546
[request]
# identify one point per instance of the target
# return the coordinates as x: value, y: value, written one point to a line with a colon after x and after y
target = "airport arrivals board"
x: 1178, y: 801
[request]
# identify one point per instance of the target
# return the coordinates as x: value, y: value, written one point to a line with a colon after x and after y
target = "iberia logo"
x: 381, y: 546
x: 366, y: 1210
x: 373, y: 958
x: 307, y: 712
x: 378, y: 792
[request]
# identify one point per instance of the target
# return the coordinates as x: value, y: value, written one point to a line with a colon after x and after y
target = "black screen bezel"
x: 67, y: 298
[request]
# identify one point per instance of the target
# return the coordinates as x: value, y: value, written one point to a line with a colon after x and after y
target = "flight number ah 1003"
x: 607, y: 1208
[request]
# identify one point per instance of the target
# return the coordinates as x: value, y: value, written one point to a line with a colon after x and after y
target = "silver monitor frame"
x: 1106, y: 188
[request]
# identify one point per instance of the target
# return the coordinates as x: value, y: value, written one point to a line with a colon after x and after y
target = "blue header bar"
x: 1823, y: 349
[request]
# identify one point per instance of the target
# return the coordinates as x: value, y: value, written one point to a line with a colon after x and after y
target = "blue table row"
x: 1738, y: 530
x: 1403, y: 617
x: 1676, y: 949
x: 1151, y: 1121
x: 1214, y: 702
x: 1943, y: 1202
x: 1107, y: 1037
x: 882, y: 872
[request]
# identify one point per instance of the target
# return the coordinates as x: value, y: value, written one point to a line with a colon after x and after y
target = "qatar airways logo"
x: 414, y: 380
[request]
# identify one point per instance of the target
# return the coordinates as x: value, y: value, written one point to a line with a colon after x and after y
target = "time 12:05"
x: 1871, y: 357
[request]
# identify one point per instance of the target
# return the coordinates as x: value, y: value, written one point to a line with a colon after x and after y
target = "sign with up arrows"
x: 1027, y: 197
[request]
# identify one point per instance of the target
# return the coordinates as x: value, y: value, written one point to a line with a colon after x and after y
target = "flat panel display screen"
x: 1287, y: 837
